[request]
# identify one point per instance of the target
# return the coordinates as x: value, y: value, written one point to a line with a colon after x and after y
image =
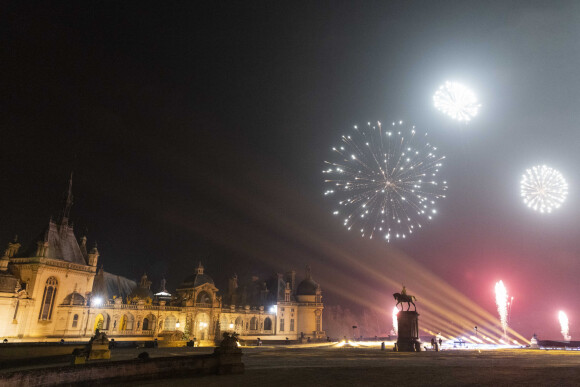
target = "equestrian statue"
x: 404, y: 297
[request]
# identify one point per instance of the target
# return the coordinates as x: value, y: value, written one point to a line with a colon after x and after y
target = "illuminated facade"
x: 53, y: 290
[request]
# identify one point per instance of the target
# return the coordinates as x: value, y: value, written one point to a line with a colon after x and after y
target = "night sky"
x: 197, y: 131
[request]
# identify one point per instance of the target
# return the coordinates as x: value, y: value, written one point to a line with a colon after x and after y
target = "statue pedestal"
x: 100, y: 352
x: 408, y: 340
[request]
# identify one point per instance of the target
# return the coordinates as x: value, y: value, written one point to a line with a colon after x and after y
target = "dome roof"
x: 307, y: 288
x: 74, y: 299
x: 196, y: 280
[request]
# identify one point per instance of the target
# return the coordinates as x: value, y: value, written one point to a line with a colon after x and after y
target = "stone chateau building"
x: 53, y: 290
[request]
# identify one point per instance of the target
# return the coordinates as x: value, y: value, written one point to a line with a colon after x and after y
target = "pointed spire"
x: 68, y: 202
x: 308, y: 274
x: 145, y: 283
x: 200, y: 268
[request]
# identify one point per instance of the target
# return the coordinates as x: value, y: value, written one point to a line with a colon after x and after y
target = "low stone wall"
x: 15, y: 355
x: 127, y: 370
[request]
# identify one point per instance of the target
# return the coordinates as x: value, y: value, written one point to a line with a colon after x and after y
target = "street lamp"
x: 353, y: 328
x: 475, y: 327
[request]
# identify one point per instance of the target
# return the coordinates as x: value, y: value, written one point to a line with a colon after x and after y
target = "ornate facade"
x: 53, y: 290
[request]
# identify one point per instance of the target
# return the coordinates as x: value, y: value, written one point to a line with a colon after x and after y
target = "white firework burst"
x: 386, y: 180
x: 457, y: 101
x: 543, y: 188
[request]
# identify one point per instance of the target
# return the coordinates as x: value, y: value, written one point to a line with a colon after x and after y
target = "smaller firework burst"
x: 457, y: 101
x: 395, y: 321
x: 564, y: 326
x: 543, y: 188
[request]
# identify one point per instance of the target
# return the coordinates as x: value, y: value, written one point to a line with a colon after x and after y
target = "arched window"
x: 75, y: 320
x: 130, y: 321
x: 203, y: 298
x: 239, y: 324
x: 145, y: 324
x: 267, y: 324
x: 48, y: 299
x: 253, y: 324
x: 99, y: 321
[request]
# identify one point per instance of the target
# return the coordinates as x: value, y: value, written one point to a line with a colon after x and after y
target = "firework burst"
x: 564, y: 326
x: 457, y: 101
x: 501, y: 300
x: 386, y: 180
x: 395, y: 321
x: 543, y: 188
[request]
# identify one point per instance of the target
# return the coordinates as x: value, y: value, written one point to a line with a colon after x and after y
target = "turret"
x: 83, y: 247
x: 13, y: 248
x: 93, y: 256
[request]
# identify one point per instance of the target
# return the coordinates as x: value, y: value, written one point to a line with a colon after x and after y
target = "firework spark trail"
x: 564, y: 327
x: 386, y: 180
x: 501, y: 300
x: 395, y: 321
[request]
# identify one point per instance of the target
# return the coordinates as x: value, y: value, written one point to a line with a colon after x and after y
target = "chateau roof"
x: 108, y: 285
x: 61, y: 242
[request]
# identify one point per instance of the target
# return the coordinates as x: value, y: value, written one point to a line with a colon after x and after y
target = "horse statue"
x: 402, y: 298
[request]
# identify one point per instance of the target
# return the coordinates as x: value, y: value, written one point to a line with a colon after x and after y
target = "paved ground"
x: 347, y: 366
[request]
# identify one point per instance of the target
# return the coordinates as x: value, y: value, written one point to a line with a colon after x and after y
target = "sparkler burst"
x: 457, y: 101
x: 501, y: 300
x: 565, y: 329
x: 543, y: 188
x: 386, y: 180
x: 395, y: 321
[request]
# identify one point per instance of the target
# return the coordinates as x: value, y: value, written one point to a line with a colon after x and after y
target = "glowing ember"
x: 395, y: 322
x: 501, y: 299
x: 565, y: 329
